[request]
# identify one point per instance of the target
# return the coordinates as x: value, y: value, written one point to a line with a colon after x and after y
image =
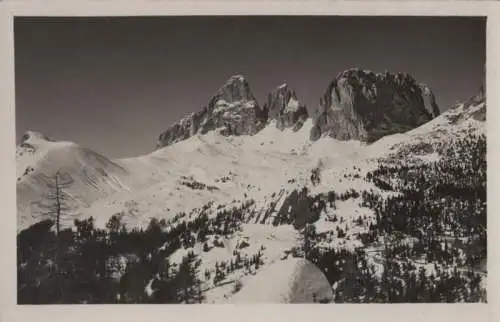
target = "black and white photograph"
x: 235, y: 159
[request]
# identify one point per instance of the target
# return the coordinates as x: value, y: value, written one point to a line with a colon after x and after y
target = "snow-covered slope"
x: 91, y: 175
x: 231, y: 168
x: 427, y: 140
x: 294, y: 280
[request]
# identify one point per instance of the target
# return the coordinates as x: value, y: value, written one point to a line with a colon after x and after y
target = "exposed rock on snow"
x: 476, y: 106
x: 33, y: 136
x: 432, y: 138
x: 233, y: 110
x: 294, y: 280
x: 365, y: 106
x: 283, y: 106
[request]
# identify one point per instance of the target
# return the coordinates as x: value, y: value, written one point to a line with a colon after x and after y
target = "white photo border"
x: 10, y: 311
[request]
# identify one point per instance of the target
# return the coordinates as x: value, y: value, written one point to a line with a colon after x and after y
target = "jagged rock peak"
x: 33, y: 136
x: 363, y: 105
x: 30, y: 142
x: 476, y: 105
x: 232, y: 110
x: 482, y: 93
x: 236, y: 88
x: 477, y: 99
x: 283, y: 106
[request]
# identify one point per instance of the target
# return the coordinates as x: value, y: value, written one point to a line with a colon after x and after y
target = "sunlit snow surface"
x: 293, y: 280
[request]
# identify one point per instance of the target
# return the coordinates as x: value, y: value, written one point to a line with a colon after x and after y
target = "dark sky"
x: 114, y: 84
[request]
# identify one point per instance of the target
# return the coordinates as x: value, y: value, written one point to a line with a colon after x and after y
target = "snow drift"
x: 294, y: 280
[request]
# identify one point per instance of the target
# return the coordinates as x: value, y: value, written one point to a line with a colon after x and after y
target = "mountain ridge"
x: 132, y: 173
x: 357, y: 104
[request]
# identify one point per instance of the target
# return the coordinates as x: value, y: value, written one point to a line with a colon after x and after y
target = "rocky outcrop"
x: 365, y: 106
x: 283, y: 106
x: 479, y: 98
x: 32, y: 135
x: 233, y: 110
x: 474, y: 108
x: 27, y: 140
x: 299, y: 209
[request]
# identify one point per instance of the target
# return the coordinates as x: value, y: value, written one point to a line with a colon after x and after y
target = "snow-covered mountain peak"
x: 235, y: 78
x: 472, y: 109
x: 235, y: 89
x: 32, y: 137
x: 283, y: 106
x: 355, y: 72
x: 33, y: 145
x: 232, y: 110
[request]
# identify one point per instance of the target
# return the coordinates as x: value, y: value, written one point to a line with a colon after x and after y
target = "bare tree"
x: 55, y: 204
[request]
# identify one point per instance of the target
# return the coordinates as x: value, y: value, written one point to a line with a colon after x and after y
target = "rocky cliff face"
x: 365, y: 106
x: 233, y: 110
x: 357, y: 104
x: 283, y: 106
